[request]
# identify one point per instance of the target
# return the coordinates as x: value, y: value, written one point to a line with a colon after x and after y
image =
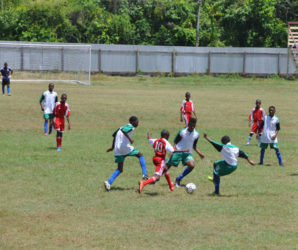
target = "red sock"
x: 59, y: 142
x: 150, y: 180
x: 167, y: 175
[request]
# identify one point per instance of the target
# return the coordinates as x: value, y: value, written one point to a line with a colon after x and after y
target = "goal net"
x: 47, y: 62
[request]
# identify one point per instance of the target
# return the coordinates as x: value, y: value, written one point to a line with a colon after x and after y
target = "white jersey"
x: 187, y: 139
x: 122, y: 145
x: 49, y: 100
x: 271, y: 125
x: 230, y: 153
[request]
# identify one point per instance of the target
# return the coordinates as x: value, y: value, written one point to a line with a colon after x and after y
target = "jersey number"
x: 159, y: 147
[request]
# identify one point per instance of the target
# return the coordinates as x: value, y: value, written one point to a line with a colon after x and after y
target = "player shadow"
x: 294, y: 174
x: 120, y: 189
x: 52, y: 148
x: 222, y: 195
x: 149, y: 193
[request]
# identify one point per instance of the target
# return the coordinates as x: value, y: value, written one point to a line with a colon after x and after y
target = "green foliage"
x: 249, y: 23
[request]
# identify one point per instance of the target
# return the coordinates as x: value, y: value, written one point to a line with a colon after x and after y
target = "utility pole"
x: 198, y: 22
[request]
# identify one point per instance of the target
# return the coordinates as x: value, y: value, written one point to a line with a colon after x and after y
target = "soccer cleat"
x: 177, y: 183
x: 145, y: 177
x: 141, y: 186
x: 59, y: 149
x: 9, y: 94
x: 215, y: 194
x: 45, y: 134
x: 210, y: 178
x: 247, y: 143
x: 107, y: 186
x: 171, y: 186
x: 282, y: 165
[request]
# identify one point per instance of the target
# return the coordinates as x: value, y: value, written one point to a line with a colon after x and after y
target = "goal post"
x: 48, y: 62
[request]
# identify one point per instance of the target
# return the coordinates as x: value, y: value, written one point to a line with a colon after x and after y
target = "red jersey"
x: 60, y: 110
x: 257, y: 114
x: 161, y: 146
x: 187, y: 106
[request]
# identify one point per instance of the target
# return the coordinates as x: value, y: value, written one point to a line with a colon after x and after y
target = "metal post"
x: 62, y: 59
x: 278, y: 64
x: 288, y: 61
x: 244, y: 62
x: 137, y: 62
x: 99, y: 61
x: 209, y: 63
x: 198, y: 23
x: 22, y: 58
x: 173, y: 61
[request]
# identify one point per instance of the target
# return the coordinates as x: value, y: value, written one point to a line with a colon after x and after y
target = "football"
x: 190, y: 188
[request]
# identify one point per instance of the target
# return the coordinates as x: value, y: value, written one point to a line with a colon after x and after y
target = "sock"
x: 184, y: 173
x: 114, y: 176
x: 3, y: 89
x: 8, y: 89
x: 278, y: 154
x: 167, y: 175
x: 249, y: 138
x: 46, y: 126
x: 143, y: 165
x: 59, y: 142
x: 216, y: 179
x: 262, y: 156
x: 150, y: 180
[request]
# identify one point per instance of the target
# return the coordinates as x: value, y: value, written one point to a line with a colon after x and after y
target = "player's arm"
x: 245, y: 156
x: 113, y: 143
x: 128, y: 137
x: 68, y: 121
x: 181, y: 113
x: 197, y: 150
x: 193, y: 110
x: 217, y: 146
x: 40, y: 102
x: 277, y: 130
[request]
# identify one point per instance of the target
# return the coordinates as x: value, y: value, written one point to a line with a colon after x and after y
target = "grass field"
x: 52, y: 200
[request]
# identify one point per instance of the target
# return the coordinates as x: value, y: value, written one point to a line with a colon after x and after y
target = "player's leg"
x: 157, y: 161
x: 252, y: 131
x: 46, y: 124
x: 59, y: 140
x: 8, y: 87
x: 190, y: 164
x: 278, y: 154
x: 3, y: 87
x: 142, y: 162
x: 263, y: 147
x: 116, y: 173
x: 51, y: 123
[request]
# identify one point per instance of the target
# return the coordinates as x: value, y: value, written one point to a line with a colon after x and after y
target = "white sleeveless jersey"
x: 49, y: 101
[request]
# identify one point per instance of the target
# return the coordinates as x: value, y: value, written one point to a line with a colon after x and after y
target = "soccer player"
x: 186, y: 138
x: 6, y: 73
x: 60, y: 110
x: 161, y: 146
x: 187, y: 109
x: 256, y: 117
x: 271, y: 127
x: 47, y: 103
x: 229, y: 153
x: 122, y: 148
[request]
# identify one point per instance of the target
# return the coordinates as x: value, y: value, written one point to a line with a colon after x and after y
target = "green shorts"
x: 272, y: 145
x: 48, y: 116
x: 180, y: 156
x: 121, y: 158
x: 222, y: 168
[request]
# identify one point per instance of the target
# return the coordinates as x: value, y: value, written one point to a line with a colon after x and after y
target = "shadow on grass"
x: 52, y: 148
x: 222, y: 195
x: 120, y: 189
x: 294, y: 174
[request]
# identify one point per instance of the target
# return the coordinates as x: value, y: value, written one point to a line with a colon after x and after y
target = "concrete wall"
x: 130, y: 59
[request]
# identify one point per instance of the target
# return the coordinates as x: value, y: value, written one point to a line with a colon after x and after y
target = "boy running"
x: 187, y: 109
x: 229, y: 153
x: 122, y: 148
x: 256, y: 117
x: 186, y: 138
x: 161, y: 146
x: 6, y: 73
x: 60, y: 110
x: 271, y: 127
x: 47, y: 103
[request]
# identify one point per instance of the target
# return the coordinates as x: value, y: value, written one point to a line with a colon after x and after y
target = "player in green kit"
x: 229, y: 164
x: 122, y: 148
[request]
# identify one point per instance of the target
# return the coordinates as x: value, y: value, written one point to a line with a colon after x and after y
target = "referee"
x: 6, y: 72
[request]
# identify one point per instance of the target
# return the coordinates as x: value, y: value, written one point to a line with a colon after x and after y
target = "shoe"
x: 215, y: 194
x: 171, y: 186
x: 145, y: 177
x: 247, y: 144
x: 59, y: 149
x: 177, y: 183
x: 210, y: 178
x: 107, y: 186
x: 45, y: 134
x: 260, y: 163
x: 141, y: 186
x: 282, y: 165
x: 9, y: 94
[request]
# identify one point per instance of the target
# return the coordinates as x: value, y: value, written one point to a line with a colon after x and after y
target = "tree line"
x: 240, y: 23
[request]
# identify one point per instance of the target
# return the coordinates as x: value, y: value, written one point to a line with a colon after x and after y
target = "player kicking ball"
x: 229, y: 153
x: 61, y: 109
x: 161, y: 146
x: 122, y: 148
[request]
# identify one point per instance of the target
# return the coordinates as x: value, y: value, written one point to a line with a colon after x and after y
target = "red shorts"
x: 59, y: 124
x: 255, y: 128
x: 187, y: 116
x: 159, y: 165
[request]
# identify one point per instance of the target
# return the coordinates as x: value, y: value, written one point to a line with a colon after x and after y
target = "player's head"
x: 187, y: 96
x: 225, y: 139
x: 5, y: 64
x: 192, y: 124
x: 271, y: 111
x: 258, y: 103
x: 165, y: 134
x: 134, y: 121
x: 63, y: 98
x: 51, y: 86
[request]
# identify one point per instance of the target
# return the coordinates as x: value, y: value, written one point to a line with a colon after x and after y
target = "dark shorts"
x: 5, y: 81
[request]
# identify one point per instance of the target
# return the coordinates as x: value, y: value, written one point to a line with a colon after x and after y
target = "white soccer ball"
x: 190, y: 188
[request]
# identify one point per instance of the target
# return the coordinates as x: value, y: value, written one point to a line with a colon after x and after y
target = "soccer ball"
x: 190, y: 188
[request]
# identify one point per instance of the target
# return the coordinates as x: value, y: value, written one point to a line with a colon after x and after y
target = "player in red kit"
x: 161, y: 146
x: 60, y: 110
x: 187, y: 109
x: 256, y: 117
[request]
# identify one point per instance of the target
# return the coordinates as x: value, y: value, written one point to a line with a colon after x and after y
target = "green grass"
x: 53, y: 199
